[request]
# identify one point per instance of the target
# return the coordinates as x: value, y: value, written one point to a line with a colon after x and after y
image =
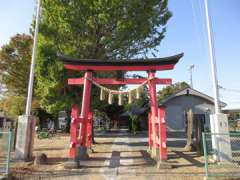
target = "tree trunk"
x: 189, y: 144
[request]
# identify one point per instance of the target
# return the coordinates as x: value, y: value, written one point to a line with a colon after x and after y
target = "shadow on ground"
x: 132, y: 161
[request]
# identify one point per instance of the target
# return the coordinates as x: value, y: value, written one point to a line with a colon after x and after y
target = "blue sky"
x: 186, y: 32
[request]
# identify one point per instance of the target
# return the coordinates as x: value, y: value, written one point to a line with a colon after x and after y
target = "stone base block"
x: 82, y: 153
x: 25, y: 138
x: 164, y: 165
x: 72, y: 164
x: 154, y: 152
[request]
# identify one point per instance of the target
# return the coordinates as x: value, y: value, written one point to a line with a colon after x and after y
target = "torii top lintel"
x: 152, y: 64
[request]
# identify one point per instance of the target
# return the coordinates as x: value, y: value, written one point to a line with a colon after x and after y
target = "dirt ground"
x: 115, y: 156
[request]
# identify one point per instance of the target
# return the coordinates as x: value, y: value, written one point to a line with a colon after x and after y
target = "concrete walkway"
x: 125, y: 157
x: 116, y: 156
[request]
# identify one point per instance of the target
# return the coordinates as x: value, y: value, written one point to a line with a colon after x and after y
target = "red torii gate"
x: 81, y: 132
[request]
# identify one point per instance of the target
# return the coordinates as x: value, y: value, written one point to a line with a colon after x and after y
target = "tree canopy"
x: 101, y: 29
x: 15, y: 58
x: 169, y: 90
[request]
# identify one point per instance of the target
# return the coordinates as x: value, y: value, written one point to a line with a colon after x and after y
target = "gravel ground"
x: 115, y: 156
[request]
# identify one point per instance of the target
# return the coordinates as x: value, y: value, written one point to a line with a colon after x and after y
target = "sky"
x: 186, y: 32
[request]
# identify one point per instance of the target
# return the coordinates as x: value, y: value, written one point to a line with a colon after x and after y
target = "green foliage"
x: 101, y: 29
x: 134, y: 120
x: 169, y: 90
x: 12, y: 106
x: 104, y: 28
x: 134, y: 123
x: 44, y: 134
x: 142, y: 101
x: 15, y: 58
x: 101, y: 114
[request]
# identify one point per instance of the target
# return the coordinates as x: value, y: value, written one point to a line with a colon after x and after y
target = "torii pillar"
x: 79, y: 126
x: 154, y: 112
x: 82, y: 149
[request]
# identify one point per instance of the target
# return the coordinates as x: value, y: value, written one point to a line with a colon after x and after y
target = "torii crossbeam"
x: 81, y: 124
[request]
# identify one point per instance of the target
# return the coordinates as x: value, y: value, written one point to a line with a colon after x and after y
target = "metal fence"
x: 5, y: 148
x: 222, y: 154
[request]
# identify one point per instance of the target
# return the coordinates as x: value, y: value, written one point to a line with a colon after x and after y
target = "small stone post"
x: 188, y: 146
x: 25, y: 138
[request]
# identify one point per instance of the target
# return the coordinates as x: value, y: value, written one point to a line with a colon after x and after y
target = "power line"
x: 199, y: 32
x: 195, y: 24
x: 201, y: 15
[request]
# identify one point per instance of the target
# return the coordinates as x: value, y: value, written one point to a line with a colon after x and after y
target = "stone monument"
x: 25, y: 138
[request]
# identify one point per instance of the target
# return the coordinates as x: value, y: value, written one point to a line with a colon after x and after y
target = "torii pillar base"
x: 72, y: 164
x: 164, y: 165
x: 82, y: 153
x: 154, y: 152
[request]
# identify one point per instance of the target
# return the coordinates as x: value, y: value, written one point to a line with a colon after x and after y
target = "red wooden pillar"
x: 150, y: 142
x: 85, y: 107
x: 89, y: 129
x: 153, y: 108
x: 163, y: 133
x: 74, y: 131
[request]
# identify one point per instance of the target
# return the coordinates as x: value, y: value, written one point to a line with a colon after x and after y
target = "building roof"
x: 193, y: 92
x: 232, y: 107
x: 123, y: 62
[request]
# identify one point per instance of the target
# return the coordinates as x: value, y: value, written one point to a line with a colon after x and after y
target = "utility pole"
x: 218, y: 121
x: 191, y: 72
x: 34, y: 50
x: 212, y: 58
x: 26, y: 123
